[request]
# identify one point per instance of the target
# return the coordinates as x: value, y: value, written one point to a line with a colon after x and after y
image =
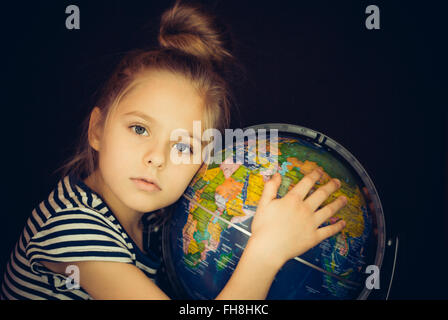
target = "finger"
x: 303, y: 187
x: 329, y: 210
x: 329, y: 231
x: 322, y: 193
x: 270, y: 189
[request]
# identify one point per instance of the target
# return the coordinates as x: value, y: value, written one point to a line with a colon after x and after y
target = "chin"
x: 151, y: 202
x: 145, y: 205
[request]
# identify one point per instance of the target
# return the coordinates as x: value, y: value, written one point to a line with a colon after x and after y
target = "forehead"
x: 170, y: 100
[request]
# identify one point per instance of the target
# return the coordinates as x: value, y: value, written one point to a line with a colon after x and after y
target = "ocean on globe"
x: 211, y: 222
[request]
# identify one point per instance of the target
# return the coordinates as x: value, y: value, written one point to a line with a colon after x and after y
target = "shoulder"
x: 78, y: 227
x: 70, y: 201
x: 74, y: 221
x: 77, y: 235
x: 71, y: 192
x: 79, y: 221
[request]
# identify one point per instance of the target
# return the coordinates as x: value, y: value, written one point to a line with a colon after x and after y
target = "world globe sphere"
x: 211, y: 222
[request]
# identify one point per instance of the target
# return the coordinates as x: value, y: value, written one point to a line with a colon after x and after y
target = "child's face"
x: 131, y: 147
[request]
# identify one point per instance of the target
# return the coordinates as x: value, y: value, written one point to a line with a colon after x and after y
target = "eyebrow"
x: 148, y: 118
x: 141, y: 115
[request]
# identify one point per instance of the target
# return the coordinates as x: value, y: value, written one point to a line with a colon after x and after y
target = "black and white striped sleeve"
x: 76, y: 235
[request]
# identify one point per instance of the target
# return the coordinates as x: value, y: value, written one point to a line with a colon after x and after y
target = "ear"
x: 95, y: 129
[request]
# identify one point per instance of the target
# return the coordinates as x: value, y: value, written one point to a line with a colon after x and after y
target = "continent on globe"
x: 211, y: 223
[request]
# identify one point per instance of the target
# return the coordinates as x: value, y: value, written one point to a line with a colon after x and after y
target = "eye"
x: 139, y: 130
x: 182, y: 147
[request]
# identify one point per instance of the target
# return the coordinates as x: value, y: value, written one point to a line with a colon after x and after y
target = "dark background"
x: 314, y: 64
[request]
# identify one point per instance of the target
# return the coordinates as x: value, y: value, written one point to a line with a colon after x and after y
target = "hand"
x: 285, y: 228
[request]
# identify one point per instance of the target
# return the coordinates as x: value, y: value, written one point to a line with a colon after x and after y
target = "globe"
x: 211, y: 222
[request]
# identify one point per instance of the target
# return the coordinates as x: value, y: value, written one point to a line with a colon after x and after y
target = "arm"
x: 116, y: 280
x: 281, y: 230
x: 252, y: 277
x: 123, y: 281
x: 112, y: 280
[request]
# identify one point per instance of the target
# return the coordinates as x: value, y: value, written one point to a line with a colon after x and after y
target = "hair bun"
x: 188, y: 28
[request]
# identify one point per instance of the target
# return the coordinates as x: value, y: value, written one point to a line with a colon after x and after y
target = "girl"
x: 92, y: 225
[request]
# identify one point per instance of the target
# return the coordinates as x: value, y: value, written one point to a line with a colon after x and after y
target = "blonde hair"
x: 191, y: 44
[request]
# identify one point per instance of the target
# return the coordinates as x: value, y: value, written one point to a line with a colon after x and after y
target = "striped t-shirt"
x: 73, y: 224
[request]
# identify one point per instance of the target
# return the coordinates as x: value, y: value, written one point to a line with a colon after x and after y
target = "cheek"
x: 116, y: 153
x: 184, y: 175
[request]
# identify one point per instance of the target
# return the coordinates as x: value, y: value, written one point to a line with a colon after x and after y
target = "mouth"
x: 146, y: 184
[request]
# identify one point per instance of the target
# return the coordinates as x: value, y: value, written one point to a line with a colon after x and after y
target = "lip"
x: 146, y: 185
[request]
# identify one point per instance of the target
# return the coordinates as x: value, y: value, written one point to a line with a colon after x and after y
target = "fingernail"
x: 343, y: 223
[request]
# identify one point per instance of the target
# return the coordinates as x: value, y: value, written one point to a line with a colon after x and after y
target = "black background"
x: 376, y: 92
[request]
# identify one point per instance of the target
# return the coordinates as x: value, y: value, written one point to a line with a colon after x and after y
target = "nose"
x: 155, y: 156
